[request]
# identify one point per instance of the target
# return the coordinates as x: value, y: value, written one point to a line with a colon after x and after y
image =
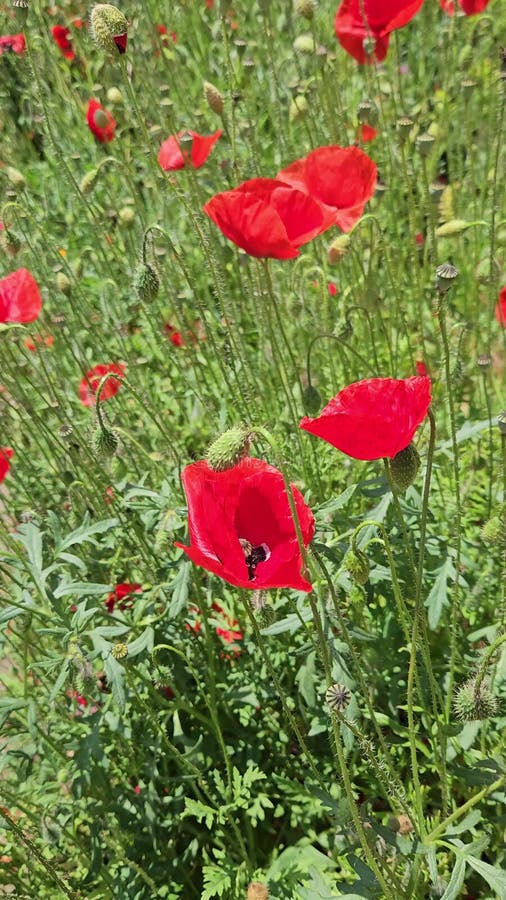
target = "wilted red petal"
x: 6, y: 453
x: 373, y: 418
x: 20, y: 299
x: 121, y: 41
x: 122, y: 595
x: 14, y: 42
x: 89, y: 384
x: 61, y: 36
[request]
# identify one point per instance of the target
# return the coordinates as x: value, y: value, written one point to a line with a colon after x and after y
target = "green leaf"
x: 216, y: 881
x: 145, y: 641
x: 456, y: 881
x: 291, y: 623
x: 200, y: 810
x: 86, y: 532
x: 8, y: 705
x: 81, y: 589
x: 495, y: 877
x: 438, y: 597
x: 336, y: 503
x: 179, y: 589
x: 30, y: 536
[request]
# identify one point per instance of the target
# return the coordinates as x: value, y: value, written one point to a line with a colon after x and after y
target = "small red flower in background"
x: 89, y: 384
x: 373, y: 418
x: 122, y: 596
x: 500, y: 310
x: 228, y: 634
x: 6, y: 453
x: 20, y: 299
x: 173, y: 156
x: 267, y: 218
x: 61, y: 36
x: 421, y: 368
x: 165, y: 34
x: 174, y: 336
x: 241, y: 526
x: 381, y: 18
x: 340, y: 179
x: 78, y: 23
x: 332, y: 289
x: 14, y: 42
x: 100, y: 122
x: 38, y: 339
x: 468, y: 7
x: 366, y: 133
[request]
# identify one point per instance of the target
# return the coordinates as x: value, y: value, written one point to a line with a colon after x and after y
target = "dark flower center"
x: 253, y: 556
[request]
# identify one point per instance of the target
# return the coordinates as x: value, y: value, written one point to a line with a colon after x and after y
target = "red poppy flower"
x: 500, y: 310
x: 20, y: 299
x: 172, y: 156
x: 89, y: 384
x: 61, y: 36
x: 241, y: 527
x: 165, y: 34
x: 468, y: 7
x: 6, y: 453
x: 267, y: 217
x: 421, y: 368
x: 14, y: 42
x: 122, y: 595
x: 100, y: 122
x: 359, y: 20
x: 341, y: 179
x: 228, y: 634
x: 174, y: 336
x: 366, y: 133
x: 373, y: 418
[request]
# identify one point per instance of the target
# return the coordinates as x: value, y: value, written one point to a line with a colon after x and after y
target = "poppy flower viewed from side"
x: 89, y: 384
x: 6, y: 453
x: 20, y: 299
x: 500, y: 310
x: 186, y: 148
x: 122, y: 596
x: 373, y: 418
x: 341, y: 179
x: 100, y: 122
x: 359, y: 21
x: 468, y: 7
x: 267, y: 218
x: 241, y: 526
x: 61, y: 37
x: 14, y: 42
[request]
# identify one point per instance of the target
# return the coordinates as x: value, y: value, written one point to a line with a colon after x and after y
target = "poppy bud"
x: 10, y: 242
x: 213, y: 98
x: 305, y: 8
x: 493, y: 531
x: 109, y: 28
x: 114, y: 96
x: 357, y: 565
x: 445, y: 276
x: 400, y: 824
x: 16, y: 178
x: 501, y: 421
x: 89, y: 181
x: 436, y: 191
x: 454, y: 226
x: 265, y: 616
x: 425, y: 143
x: 338, y: 248
x: 63, y: 283
x: 126, y: 216
x: 404, y: 467
x: 304, y: 43
x: 312, y: 399
x: 257, y: 891
x: 227, y: 450
x: 299, y: 108
x: 146, y: 282
x: 471, y: 704
x: 338, y: 697
x: 119, y: 651
x: 105, y: 442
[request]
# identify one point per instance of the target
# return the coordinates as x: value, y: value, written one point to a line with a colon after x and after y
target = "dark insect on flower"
x: 253, y: 556
x: 338, y: 696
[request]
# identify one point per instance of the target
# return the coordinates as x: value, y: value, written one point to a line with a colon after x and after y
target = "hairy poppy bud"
x: 105, y: 442
x: 109, y: 28
x: 305, y: 8
x: 126, y: 217
x: 493, y: 531
x: 454, y: 226
x: 445, y: 276
x: 338, y: 697
x: 63, y: 283
x: 213, y: 98
x: 10, y: 242
x: 114, y: 96
x: 338, y: 248
x: 304, y: 43
x: 89, y: 181
x: 357, y: 565
x: 227, y: 450
x: 312, y: 399
x: 299, y: 108
x: 257, y: 891
x: 471, y: 703
x: 119, y: 651
x: 404, y: 467
x: 16, y: 178
x: 146, y: 282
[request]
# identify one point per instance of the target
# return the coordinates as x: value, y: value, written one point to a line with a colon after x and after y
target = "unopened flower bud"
x: 305, y: 8
x: 109, y: 28
x: 472, y: 702
x: 404, y: 467
x: 105, y: 442
x: 89, y: 181
x: 445, y: 276
x: 119, y: 651
x: 213, y: 98
x: 338, y: 697
x: 114, y: 96
x: 338, y: 248
x: 454, y: 226
x: 401, y: 824
x: 299, y: 108
x: 63, y: 283
x: 304, y: 43
x: 126, y: 216
x: 357, y: 565
x: 146, y: 282
x: 227, y: 450
x: 312, y: 400
x: 493, y: 531
x: 10, y: 242
x: 16, y: 178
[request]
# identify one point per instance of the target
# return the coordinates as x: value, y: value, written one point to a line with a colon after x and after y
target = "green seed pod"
x: 108, y: 28
x: 146, y: 282
x: 338, y: 697
x: 119, y: 651
x: 470, y: 704
x: 305, y: 8
x: 404, y: 467
x: 227, y: 450
x: 16, y: 178
x: 445, y: 276
x: 357, y: 566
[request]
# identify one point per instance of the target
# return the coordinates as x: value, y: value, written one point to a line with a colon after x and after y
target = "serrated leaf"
x: 456, y: 881
x: 495, y: 877
x: 179, y: 589
x: 438, y: 597
x: 145, y: 641
x: 115, y: 674
x: 200, y: 811
x: 86, y: 532
x: 216, y: 881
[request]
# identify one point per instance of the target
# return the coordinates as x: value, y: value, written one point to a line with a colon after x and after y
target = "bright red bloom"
x: 421, y: 368
x: 174, y: 336
x: 122, y: 596
x: 359, y: 20
x: 373, y: 418
x: 468, y: 7
x: 61, y: 36
x: 332, y: 289
x: 366, y: 133
x: 241, y: 526
x: 100, y: 122
x: 14, y: 42
x: 20, y: 299
x: 500, y: 310
x: 341, y: 179
x: 172, y: 156
x: 6, y: 453
x: 267, y: 217
x: 89, y: 384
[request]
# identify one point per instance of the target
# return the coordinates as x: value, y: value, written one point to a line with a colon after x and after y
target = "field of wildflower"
x: 253, y: 450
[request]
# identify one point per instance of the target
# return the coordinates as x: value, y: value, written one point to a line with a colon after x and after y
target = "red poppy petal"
x: 170, y: 156
x: 20, y: 300
x: 6, y: 453
x: 202, y: 146
x: 500, y: 310
x: 251, y: 223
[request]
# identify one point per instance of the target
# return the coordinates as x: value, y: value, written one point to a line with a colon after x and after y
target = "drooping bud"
x: 357, y: 565
x: 63, y: 283
x: 214, y: 98
x: 109, y: 28
x: 114, y: 96
x: 404, y: 467
x: 231, y: 446
x: 304, y: 43
x: 126, y: 216
x: 146, y: 282
x: 472, y: 702
x: 299, y: 108
x: 338, y: 697
x: 445, y: 276
x: 312, y: 400
x: 454, y: 226
x: 89, y: 181
x: 105, y: 442
x: 305, y: 8
x: 16, y: 178
x: 338, y: 248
